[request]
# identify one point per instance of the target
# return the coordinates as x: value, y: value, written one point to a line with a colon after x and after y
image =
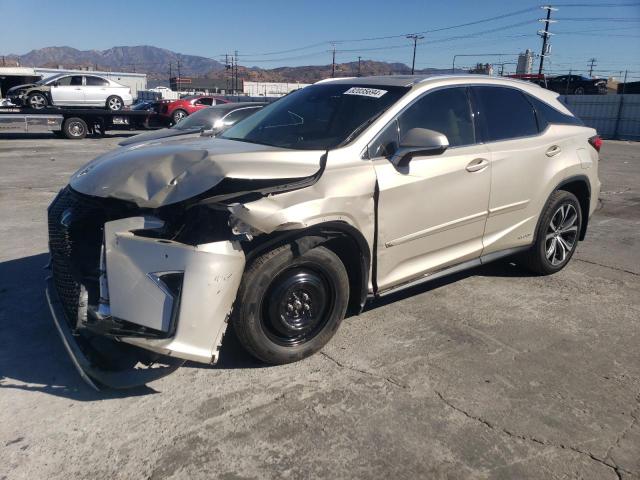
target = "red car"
x: 178, y: 109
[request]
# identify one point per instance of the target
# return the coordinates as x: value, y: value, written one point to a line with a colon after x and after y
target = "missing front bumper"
x: 79, y: 351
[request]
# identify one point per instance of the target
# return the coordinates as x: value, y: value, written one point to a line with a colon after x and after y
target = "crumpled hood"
x: 154, y: 175
x: 20, y: 87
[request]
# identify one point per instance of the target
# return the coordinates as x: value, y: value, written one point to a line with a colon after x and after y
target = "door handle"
x: 77, y: 89
x: 477, y: 165
x: 553, y: 150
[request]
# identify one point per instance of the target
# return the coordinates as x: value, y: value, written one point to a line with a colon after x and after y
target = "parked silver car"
x: 341, y: 192
x: 208, y: 121
x: 72, y: 91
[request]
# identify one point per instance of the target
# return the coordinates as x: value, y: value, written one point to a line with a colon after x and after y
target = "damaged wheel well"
x: 341, y: 238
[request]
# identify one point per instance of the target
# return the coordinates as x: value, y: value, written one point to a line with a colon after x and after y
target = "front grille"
x: 75, y: 236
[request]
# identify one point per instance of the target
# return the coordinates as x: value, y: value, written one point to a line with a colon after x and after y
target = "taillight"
x: 596, y: 142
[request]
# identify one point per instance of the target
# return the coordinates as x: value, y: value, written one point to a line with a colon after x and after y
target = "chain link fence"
x: 615, y: 117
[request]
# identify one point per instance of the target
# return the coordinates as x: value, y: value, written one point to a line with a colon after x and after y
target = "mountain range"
x: 158, y: 62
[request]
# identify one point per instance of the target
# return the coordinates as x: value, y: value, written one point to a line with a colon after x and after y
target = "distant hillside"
x: 155, y: 62
x: 313, y: 73
x: 145, y: 59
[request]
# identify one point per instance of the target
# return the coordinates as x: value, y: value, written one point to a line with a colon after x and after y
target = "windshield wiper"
x: 360, y: 128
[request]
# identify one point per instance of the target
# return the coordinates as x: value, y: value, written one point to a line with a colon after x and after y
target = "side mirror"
x: 208, y: 132
x: 419, y: 142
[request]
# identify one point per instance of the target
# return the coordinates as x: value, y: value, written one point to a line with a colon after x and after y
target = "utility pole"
x: 226, y: 70
x: 415, y: 39
x: 170, y: 73
x: 545, y: 35
x: 235, y: 85
x: 592, y: 63
x: 359, y: 65
x: 333, y: 61
x: 179, y: 81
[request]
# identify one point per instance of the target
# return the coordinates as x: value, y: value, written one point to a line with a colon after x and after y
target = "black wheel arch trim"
x: 305, y: 239
x: 587, y: 201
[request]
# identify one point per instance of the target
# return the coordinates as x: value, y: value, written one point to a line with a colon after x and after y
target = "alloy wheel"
x: 561, y: 234
x: 37, y: 101
x: 115, y: 103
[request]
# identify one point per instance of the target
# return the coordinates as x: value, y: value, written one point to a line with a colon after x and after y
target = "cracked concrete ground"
x: 489, y: 374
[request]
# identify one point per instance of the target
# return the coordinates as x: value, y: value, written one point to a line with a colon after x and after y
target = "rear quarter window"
x: 547, y: 114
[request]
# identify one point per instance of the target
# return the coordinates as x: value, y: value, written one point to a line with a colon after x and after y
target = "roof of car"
x: 411, y: 80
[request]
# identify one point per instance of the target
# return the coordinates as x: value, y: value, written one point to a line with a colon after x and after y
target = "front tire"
x: 114, y: 103
x: 289, y: 306
x: 37, y: 101
x: 556, y: 235
x: 178, y: 115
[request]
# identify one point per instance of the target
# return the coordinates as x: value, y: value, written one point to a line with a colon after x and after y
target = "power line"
x: 387, y: 37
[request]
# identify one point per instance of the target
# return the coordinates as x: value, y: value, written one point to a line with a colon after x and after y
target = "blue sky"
x: 303, y: 29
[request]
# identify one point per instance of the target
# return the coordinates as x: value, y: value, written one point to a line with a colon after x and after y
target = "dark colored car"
x: 577, y: 85
x: 178, y: 109
x: 215, y: 119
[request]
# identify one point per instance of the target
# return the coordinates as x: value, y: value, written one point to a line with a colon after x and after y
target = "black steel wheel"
x: 557, y: 234
x: 289, y: 306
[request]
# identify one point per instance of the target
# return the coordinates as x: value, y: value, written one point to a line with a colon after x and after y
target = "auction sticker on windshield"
x: 365, y: 92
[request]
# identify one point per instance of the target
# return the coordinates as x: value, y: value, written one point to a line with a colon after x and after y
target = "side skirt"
x: 476, y: 262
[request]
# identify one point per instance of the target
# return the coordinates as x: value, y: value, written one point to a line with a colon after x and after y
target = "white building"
x: 135, y: 81
x: 270, y: 89
x: 525, y: 63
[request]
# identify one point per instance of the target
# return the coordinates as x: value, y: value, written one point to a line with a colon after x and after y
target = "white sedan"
x: 72, y: 91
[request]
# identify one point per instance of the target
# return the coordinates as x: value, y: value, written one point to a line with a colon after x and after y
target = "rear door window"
x: 96, y: 82
x: 505, y: 113
x: 446, y: 111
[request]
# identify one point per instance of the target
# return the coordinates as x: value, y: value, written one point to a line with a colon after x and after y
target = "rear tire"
x: 557, y: 234
x: 114, y: 103
x: 74, y: 128
x: 579, y: 91
x: 37, y: 101
x: 289, y: 306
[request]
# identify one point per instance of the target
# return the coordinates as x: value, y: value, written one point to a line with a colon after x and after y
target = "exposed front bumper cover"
x: 92, y: 374
x: 211, y: 277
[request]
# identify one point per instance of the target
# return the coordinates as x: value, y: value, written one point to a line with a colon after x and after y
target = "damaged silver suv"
x: 343, y: 191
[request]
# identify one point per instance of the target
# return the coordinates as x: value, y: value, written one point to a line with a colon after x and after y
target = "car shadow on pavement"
x: 32, y: 357
x: 499, y: 268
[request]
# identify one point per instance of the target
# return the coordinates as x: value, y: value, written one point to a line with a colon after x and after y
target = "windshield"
x: 202, y: 118
x: 317, y: 117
